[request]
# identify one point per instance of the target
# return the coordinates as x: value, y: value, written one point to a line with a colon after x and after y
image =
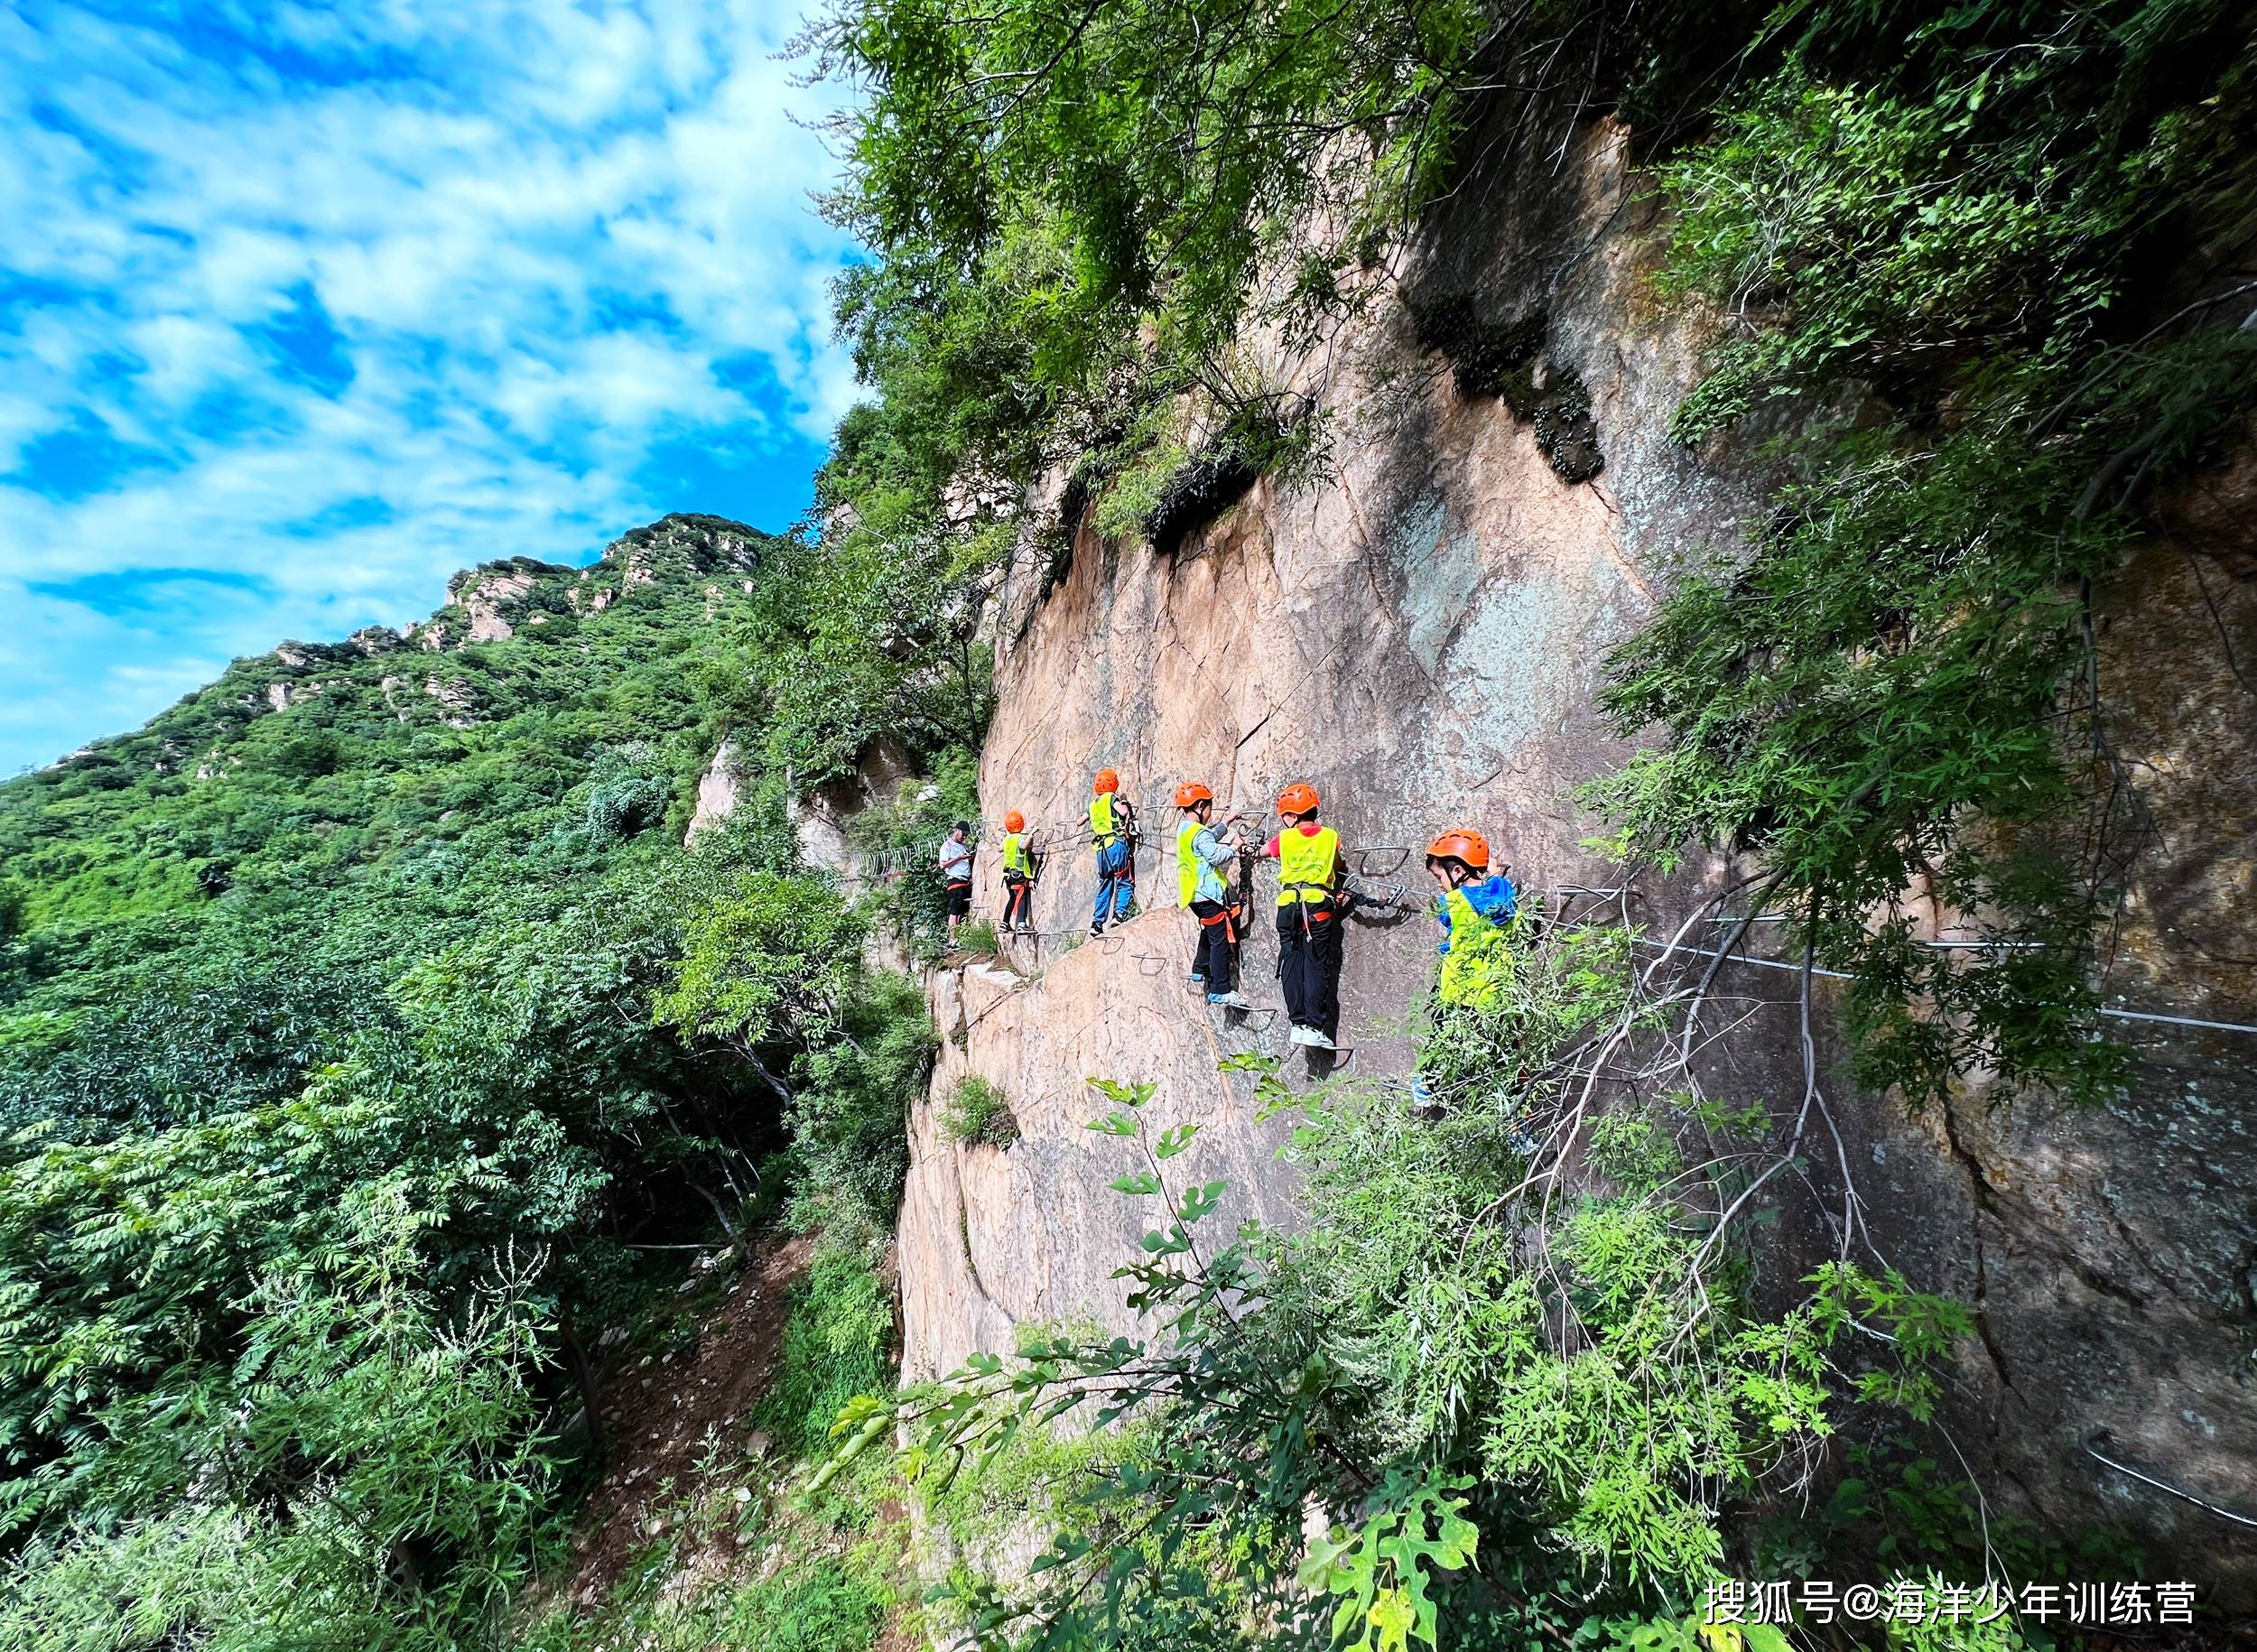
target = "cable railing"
x: 1373, y: 882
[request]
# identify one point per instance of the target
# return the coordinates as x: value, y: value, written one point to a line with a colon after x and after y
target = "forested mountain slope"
x: 347, y: 1072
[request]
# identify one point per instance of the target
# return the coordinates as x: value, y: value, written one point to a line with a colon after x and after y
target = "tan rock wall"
x: 1420, y: 633
x: 1029, y: 1236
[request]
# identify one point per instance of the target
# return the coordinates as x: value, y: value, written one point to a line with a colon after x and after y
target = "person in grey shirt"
x: 956, y: 874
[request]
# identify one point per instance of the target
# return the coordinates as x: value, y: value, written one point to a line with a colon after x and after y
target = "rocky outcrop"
x: 717, y: 793
x: 1420, y: 632
x: 456, y: 696
x: 684, y: 543
x: 819, y: 821
x: 489, y: 603
x: 486, y: 597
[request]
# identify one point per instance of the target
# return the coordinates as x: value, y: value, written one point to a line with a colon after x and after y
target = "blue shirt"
x: 1492, y: 897
x: 1214, y: 854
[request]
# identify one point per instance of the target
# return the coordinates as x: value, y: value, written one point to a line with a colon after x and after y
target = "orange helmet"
x: 1191, y: 791
x: 1106, y: 781
x: 1014, y: 821
x: 1299, y: 798
x: 1469, y: 847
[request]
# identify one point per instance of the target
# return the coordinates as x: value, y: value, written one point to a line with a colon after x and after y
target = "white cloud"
x: 543, y: 244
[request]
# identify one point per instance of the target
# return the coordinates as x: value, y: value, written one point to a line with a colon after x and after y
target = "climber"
x: 1018, y: 876
x: 1114, y: 830
x: 1311, y: 902
x: 1202, y: 851
x: 956, y: 874
x: 1460, y: 1059
x: 1474, y: 908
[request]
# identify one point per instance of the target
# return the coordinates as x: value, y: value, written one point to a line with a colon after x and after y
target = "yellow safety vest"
x: 1015, y: 854
x: 1478, y: 966
x: 1187, y: 863
x: 1102, y: 818
x: 1304, y: 864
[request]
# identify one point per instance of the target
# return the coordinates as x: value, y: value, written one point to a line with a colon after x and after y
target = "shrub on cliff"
x: 978, y: 1115
x: 2011, y: 264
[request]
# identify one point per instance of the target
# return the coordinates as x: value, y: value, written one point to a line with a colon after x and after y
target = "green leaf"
x: 1173, y: 1140
x: 1200, y: 1202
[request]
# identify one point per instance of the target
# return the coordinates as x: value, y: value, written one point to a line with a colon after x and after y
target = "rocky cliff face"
x: 1420, y: 633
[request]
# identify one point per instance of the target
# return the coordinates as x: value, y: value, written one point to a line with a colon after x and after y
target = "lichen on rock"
x: 1505, y: 360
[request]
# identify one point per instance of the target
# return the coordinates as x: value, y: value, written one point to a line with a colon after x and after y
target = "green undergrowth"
x: 837, y: 1341
x: 987, y: 1523
x: 1036, y: 1480
x: 372, y: 1048
x: 1524, y: 1371
x: 749, y: 1558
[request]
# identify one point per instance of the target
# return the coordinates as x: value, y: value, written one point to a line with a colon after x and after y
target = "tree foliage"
x: 1993, y: 277
x: 359, y: 1020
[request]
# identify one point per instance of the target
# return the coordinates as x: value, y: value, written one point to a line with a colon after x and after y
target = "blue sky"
x: 303, y: 308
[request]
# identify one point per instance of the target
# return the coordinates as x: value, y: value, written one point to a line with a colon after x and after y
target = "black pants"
x: 1016, y: 890
x: 1308, y: 964
x: 1215, y: 954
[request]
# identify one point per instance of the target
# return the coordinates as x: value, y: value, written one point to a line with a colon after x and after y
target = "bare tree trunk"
x: 583, y: 1373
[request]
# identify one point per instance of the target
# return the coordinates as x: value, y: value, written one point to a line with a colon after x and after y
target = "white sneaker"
x: 1229, y: 1001
x: 1312, y: 1037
